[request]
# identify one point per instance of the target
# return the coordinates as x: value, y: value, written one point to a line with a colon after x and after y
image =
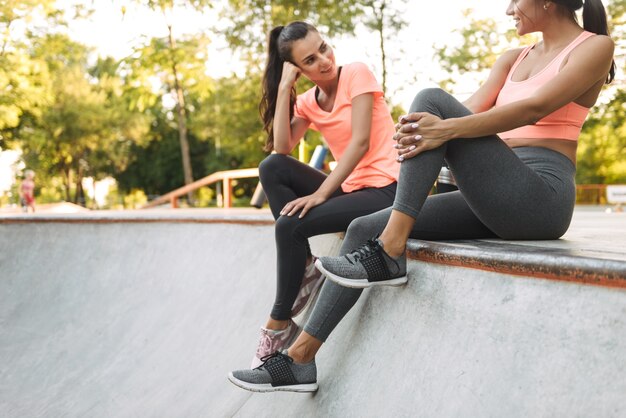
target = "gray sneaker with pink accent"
x: 272, y: 341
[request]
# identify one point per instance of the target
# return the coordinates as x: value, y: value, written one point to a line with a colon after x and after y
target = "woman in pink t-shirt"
x: 347, y: 107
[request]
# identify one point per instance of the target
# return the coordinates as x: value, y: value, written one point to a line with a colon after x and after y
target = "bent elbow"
x: 281, y: 150
x: 364, y: 145
x: 534, y: 112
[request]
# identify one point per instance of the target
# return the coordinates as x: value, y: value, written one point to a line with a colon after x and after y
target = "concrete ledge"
x: 523, y: 260
x: 206, y: 216
x: 592, y: 252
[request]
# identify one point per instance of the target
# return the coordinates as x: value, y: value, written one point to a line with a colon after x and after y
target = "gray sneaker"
x: 277, y: 373
x: 366, y: 266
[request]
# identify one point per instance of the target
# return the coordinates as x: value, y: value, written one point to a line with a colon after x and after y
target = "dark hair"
x: 594, y: 20
x: 278, y: 51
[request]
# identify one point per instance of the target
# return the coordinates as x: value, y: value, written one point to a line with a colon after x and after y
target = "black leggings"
x: 521, y: 194
x: 284, y: 179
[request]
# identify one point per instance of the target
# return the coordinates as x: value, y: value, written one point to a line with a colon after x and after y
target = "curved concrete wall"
x: 134, y: 319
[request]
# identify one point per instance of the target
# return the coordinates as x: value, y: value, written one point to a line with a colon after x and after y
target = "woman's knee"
x: 285, y: 228
x: 427, y: 98
x: 270, y: 164
x: 363, y: 228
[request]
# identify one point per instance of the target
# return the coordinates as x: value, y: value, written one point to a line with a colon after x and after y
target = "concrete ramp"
x: 145, y: 316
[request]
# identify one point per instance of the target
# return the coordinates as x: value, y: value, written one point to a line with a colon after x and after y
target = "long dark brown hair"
x: 279, y: 51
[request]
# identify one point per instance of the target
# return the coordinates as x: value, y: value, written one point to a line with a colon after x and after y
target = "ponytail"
x: 278, y: 51
x: 594, y: 20
x: 271, y: 79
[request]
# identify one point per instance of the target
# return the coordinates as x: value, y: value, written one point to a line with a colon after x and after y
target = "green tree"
x: 85, y: 126
x: 480, y: 44
x: 383, y: 17
x: 602, y: 144
x: 13, y: 12
x: 22, y: 80
x: 251, y: 20
x: 170, y: 56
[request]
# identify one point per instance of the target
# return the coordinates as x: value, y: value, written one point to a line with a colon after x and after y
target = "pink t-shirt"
x: 378, y: 167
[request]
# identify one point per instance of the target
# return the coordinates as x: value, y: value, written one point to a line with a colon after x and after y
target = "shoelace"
x: 275, y: 354
x: 265, y: 344
x: 364, y: 251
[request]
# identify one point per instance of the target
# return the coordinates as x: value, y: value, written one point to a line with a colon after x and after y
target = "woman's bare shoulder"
x: 596, y: 50
x: 509, y: 56
x: 601, y: 44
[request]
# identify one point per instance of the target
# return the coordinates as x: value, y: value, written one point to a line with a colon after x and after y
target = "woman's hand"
x: 419, y: 132
x: 290, y: 75
x: 305, y: 203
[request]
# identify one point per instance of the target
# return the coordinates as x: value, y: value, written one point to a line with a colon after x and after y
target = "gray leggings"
x: 525, y: 193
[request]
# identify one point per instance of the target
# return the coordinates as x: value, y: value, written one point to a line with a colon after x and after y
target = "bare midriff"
x: 564, y: 146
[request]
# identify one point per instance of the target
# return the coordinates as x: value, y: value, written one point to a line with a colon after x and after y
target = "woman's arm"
x: 362, y: 108
x: 587, y: 65
x: 287, y: 133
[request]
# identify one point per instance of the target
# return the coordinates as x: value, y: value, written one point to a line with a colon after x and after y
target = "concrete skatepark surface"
x: 128, y: 318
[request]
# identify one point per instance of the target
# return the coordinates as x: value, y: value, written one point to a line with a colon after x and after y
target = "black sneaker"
x: 277, y: 373
x: 366, y: 266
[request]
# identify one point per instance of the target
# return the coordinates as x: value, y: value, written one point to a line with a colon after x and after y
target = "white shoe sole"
x: 359, y: 283
x: 267, y: 387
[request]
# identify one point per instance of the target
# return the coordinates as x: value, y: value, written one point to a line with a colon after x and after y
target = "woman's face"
x: 527, y: 14
x: 314, y: 57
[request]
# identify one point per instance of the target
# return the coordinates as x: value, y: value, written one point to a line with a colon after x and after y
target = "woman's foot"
x: 311, y: 284
x: 364, y: 267
x: 274, y: 340
x: 278, y: 372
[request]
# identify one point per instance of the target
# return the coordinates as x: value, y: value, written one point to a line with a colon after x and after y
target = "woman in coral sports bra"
x: 511, y: 147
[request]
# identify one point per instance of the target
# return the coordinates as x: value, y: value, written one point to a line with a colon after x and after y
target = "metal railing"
x: 594, y: 194
x: 225, y: 177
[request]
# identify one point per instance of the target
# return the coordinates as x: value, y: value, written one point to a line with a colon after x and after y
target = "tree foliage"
x: 172, y: 58
x: 480, y: 44
x: 81, y: 125
x: 602, y: 144
x: 250, y: 20
x: 384, y: 17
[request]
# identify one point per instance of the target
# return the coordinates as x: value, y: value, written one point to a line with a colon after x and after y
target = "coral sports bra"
x: 563, y: 123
